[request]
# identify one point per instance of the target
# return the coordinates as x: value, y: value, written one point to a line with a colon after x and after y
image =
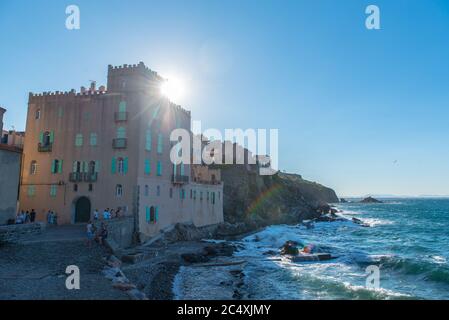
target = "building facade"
x: 110, y: 148
x: 10, y: 162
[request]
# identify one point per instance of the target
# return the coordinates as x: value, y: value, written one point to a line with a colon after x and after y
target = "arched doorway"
x: 82, y: 210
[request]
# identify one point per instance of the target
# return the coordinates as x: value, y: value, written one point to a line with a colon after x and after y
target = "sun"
x: 173, y: 88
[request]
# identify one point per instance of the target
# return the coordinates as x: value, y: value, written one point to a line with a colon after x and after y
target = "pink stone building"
x: 110, y: 148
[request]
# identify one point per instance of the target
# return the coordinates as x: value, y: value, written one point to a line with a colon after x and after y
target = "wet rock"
x: 135, y: 294
x: 370, y: 200
x: 290, y: 248
x: 194, y: 257
x: 123, y: 286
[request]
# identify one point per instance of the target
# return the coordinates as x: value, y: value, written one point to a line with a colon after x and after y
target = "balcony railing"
x: 44, y: 147
x: 119, y: 143
x: 76, y: 177
x: 90, y: 177
x: 179, y: 179
x: 121, y: 116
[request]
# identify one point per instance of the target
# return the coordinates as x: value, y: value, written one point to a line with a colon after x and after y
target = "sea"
x: 405, y: 242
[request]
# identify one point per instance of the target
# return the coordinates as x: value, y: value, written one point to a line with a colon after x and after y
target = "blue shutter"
x: 156, y: 215
x: 125, y: 166
x: 53, y: 166
x: 147, y: 166
x: 147, y: 214
x: 52, y: 136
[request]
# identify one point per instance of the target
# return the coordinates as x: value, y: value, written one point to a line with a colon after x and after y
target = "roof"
x: 6, y: 147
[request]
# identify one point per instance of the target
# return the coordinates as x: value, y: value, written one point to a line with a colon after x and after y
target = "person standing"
x: 32, y: 216
x: 96, y: 215
x: 90, y: 234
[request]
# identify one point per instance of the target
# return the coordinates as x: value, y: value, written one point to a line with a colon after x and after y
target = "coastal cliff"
x: 259, y: 201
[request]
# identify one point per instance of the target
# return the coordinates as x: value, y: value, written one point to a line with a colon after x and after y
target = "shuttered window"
x: 147, y: 166
x: 79, y: 140
x: 159, y: 168
x: 148, y: 141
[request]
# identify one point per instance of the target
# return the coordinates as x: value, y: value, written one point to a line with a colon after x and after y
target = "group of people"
x: 94, y: 234
x: 52, y: 217
x: 108, y: 214
x: 26, y: 217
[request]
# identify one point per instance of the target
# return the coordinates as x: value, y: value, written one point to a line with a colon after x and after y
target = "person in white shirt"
x: 96, y: 214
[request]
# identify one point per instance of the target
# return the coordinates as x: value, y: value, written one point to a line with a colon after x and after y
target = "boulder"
x: 290, y: 248
x: 194, y: 257
x: 370, y: 200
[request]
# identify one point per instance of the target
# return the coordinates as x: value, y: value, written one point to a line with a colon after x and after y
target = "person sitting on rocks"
x: 102, y: 234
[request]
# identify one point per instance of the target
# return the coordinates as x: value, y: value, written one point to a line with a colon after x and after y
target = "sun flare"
x: 173, y: 88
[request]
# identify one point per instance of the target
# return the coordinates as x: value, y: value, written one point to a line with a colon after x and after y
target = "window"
x: 33, y: 167
x: 53, y: 190
x: 207, y: 196
x: 31, y: 191
x: 118, y: 190
x: 191, y: 193
x: 147, y: 166
x: 91, y: 187
x: 159, y: 168
x: 56, y: 166
x: 182, y: 194
x: 152, y: 214
x: 194, y: 194
x: 171, y: 192
x: 201, y: 195
x: 148, y: 141
x: 159, y: 143
x: 158, y: 191
x: 121, y: 133
x: 219, y: 195
x: 75, y: 187
x: 122, y: 165
x: 77, y: 166
x: 147, y: 191
x: 46, y: 138
x: 213, y: 197
x: 78, y: 140
x: 38, y: 114
x: 93, y: 139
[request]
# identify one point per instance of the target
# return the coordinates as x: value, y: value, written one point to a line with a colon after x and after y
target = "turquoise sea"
x: 408, y: 239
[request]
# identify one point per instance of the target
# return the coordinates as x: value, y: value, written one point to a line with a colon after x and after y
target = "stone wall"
x: 120, y: 232
x: 17, y: 233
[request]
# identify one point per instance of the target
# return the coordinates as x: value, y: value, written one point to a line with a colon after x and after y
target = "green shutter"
x: 97, y: 166
x: 125, y: 166
x: 148, y: 140
x: 74, y: 166
x: 147, y: 166
x: 182, y: 169
x: 159, y: 168
x: 85, y: 167
x: 122, y: 106
x: 113, y: 165
x: 53, y: 166
x: 41, y: 137
x: 147, y: 214
x: 156, y: 215
x: 60, y: 166
x: 52, y: 136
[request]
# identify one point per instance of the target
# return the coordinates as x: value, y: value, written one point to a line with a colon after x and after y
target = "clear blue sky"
x: 360, y: 111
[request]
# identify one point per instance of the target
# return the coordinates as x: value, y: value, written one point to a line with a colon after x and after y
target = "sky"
x: 361, y: 111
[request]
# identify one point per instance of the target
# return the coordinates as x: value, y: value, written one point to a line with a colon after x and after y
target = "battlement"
x: 128, y: 69
x: 72, y: 93
x: 179, y: 108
